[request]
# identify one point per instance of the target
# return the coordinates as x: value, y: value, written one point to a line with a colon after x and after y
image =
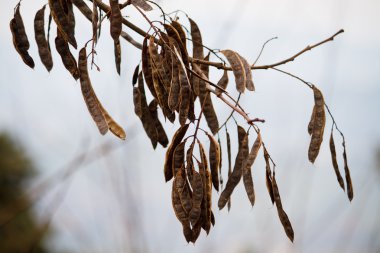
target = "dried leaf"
x: 237, y: 68
x: 89, y: 95
x: 20, y: 39
x: 176, y: 140
x: 281, y: 213
x: 236, y: 174
x: 318, y: 126
x: 42, y: 43
x: 247, y: 175
x: 335, y: 162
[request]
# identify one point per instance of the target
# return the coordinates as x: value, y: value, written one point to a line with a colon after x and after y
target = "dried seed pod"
x: 172, y: 32
x: 147, y: 68
x: 222, y: 83
x: 178, y: 157
x: 183, y: 189
x: 214, y: 158
x: 247, y: 175
x: 176, y: 140
x: 62, y: 21
x: 350, y: 190
x: 178, y: 27
x: 115, y: 19
x: 42, y: 43
x: 142, y: 4
x: 220, y: 162
x: 335, y: 162
x: 268, y: 175
x: 20, y: 39
x: 196, y: 38
x: 281, y: 213
x: 94, y: 21
x: 70, y: 19
x: 113, y: 126
x: 318, y: 126
x: 184, y: 104
x: 207, y: 202
x: 238, y: 69
x: 162, y: 138
x: 68, y: 59
x: 197, y: 227
x: 135, y: 75
x: 197, y: 185
x: 117, y: 51
x: 89, y: 95
x: 137, y: 102
x: 229, y: 164
x: 158, y: 65
x: 236, y: 174
x: 175, y: 87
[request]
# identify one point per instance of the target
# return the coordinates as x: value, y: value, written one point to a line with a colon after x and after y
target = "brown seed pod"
x: 172, y: 32
x: 176, y: 140
x: 247, y: 175
x: 117, y: 51
x: 158, y: 65
x: 94, y: 21
x: 335, y: 162
x: 184, y: 104
x: 83, y: 8
x: 68, y: 59
x: 196, y: 38
x: 89, y: 95
x: 162, y: 138
x: 135, y: 75
x: 178, y: 27
x: 197, y: 185
x: 147, y: 68
x: 113, y: 126
x: 115, y: 20
x: 206, y: 214
x: 214, y: 158
x: 311, y: 122
x: 178, y: 157
x: 222, y: 83
x: 236, y: 174
x: 237, y: 68
x: 137, y: 102
x: 268, y: 175
x: 42, y: 43
x: 220, y: 162
x: 20, y: 39
x: 142, y: 4
x: 64, y: 26
x: 175, y: 87
x: 318, y: 126
x: 197, y: 227
x: 183, y: 190
x: 248, y: 74
x: 281, y: 213
x: 70, y: 19
x: 350, y: 190
x: 229, y: 164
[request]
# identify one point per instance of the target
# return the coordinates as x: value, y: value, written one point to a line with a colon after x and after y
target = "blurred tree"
x: 22, y: 233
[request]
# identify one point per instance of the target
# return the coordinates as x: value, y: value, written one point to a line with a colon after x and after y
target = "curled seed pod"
x: 247, y: 175
x: 162, y: 138
x: 62, y: 21
x: 68, y: 59
x: 236, y: 174
x: 335, y: 162
x: 135, y: 75
x: 350, y: 190
x: 147, y: 68
x: 20, y: 39
x: 42, y: 43
x: 281, y: 213
x: 83, y: 8
x: 268, y: 175
x: 95, y: 20
x: 237, y: 68
x: 117, y: 51
x: 115, y: 19
x: 214, y: 158
x: 178, y: 157
x: 178, y: 27
x: 197, y: 185
x: 176, y: 140
x: 318, y: 126
x: 222, y: 83
x: 142, y: 4
x: 89, y: 95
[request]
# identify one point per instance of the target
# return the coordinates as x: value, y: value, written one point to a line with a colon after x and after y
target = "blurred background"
x: 65, y: 188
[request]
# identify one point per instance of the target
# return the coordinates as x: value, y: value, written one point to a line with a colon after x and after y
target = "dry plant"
x: 176, y: 80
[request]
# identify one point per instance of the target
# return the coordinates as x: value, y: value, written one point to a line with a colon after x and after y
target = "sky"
x: 115, y: 198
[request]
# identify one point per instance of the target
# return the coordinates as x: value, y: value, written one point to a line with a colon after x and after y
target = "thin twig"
x: 262, y: 49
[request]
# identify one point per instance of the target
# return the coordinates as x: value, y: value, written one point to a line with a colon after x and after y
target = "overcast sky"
x: 120, y: 203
